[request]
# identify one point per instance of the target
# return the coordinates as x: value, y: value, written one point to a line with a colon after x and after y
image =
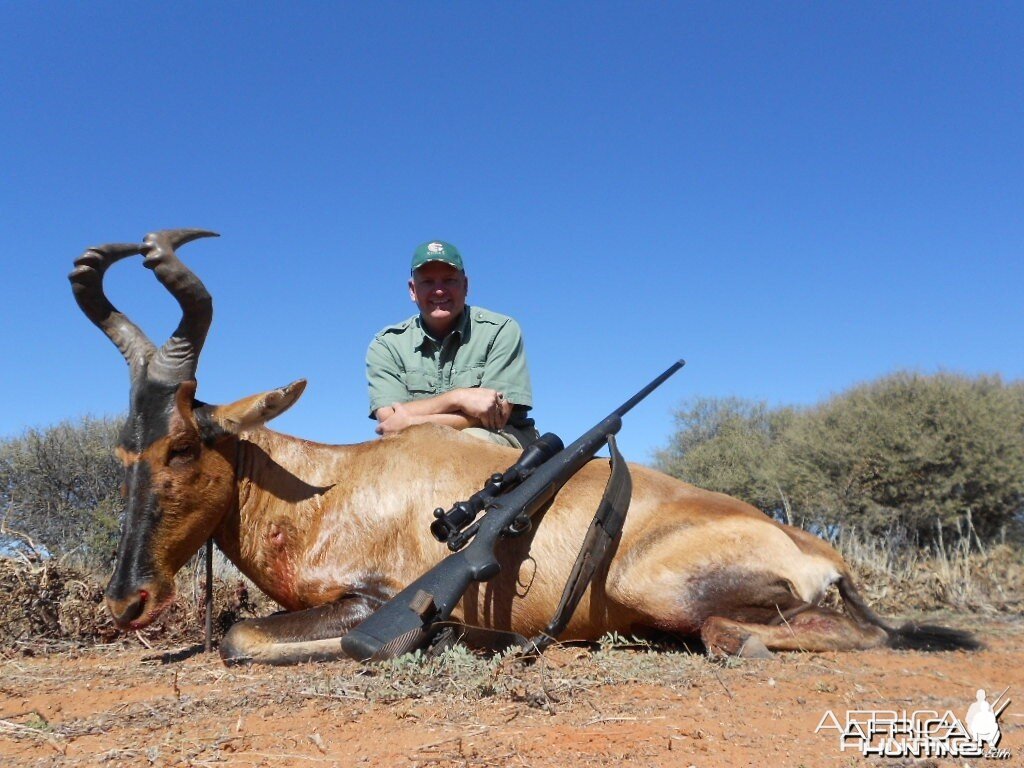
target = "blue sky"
x: 795, y: 197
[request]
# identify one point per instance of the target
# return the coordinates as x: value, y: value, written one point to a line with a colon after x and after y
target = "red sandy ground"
x: 124, y: 707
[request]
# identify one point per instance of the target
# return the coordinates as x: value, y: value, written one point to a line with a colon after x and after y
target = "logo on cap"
x: 436, y: 250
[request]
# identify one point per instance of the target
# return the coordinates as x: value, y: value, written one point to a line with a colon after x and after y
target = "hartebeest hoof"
x: 723, y: 637
x: 753, y: 648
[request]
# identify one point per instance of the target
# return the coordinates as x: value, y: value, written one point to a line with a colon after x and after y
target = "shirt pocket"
x: 470, y: 377
x: 419, y: 384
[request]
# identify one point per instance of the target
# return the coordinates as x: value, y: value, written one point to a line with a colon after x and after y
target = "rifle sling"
x: 598, y: 546
x: 595, y: 554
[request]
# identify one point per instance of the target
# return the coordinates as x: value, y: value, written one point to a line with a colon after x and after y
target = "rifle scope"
x: 462, y: 513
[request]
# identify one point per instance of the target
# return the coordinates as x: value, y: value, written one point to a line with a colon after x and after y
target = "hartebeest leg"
x: 811, y: 628
x: 292, y: 638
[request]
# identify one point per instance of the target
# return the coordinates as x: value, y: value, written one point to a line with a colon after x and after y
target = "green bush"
x: 905, y: 452
x: 60, y: 486
x: 730, y: 445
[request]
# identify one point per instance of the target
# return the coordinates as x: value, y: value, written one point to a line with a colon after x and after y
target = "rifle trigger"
x: 423, y: 605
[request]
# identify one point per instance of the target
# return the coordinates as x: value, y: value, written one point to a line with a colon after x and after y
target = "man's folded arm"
x: 458, y: 408
x: 401, y: 416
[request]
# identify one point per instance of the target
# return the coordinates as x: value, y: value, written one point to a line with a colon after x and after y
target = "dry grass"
x: 50, y: 606
x: 459, y: 706
x: 460, y: 678
x: 601, y: 706
x: 960, y: 575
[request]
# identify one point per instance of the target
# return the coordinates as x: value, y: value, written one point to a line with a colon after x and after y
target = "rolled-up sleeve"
x: 383, y: 374
x: 506, y: 369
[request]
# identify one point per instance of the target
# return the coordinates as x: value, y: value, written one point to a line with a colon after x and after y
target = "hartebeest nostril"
x: 128, y: 610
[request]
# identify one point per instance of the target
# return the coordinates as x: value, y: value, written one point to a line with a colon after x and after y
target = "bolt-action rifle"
x: 409, y: 620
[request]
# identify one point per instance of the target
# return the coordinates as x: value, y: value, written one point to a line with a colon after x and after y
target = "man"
x: 451, y: 364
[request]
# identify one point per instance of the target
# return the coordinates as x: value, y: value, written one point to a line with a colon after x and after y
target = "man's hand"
x: 488, y: 406
x: 396, y: 421
x: 459, y: 408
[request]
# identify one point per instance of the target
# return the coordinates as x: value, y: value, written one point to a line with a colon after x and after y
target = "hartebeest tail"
x: 330, y: 532
x: 910, y: 636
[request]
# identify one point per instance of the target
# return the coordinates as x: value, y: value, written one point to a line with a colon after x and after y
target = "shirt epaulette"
x: 397, y: 327
x: 487, y: 316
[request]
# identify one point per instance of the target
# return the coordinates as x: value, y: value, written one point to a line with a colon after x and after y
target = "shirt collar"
x: 461, y: 328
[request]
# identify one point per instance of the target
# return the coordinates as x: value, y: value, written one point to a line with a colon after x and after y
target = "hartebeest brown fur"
x: 331, y: 531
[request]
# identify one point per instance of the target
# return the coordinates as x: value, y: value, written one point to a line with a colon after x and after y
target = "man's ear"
x: 249, y: 412
x: 412, y: 290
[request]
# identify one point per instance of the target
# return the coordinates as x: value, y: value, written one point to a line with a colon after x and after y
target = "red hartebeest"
x: 331, y: 531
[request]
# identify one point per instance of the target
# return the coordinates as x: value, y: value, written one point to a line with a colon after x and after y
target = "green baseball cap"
x: 437, y: 250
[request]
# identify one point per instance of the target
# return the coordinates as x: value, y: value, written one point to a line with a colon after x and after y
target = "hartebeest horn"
x: 177, y: 359
x: 87, y: 285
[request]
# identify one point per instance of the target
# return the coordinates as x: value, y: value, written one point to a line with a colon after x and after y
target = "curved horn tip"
x: 178, y: 237
x: 297, y: 387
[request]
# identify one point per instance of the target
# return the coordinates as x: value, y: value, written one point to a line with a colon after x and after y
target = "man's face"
x: 439, y: 290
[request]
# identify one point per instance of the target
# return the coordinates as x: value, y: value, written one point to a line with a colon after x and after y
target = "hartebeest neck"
x: 311, y: 522
x: 281, y: 484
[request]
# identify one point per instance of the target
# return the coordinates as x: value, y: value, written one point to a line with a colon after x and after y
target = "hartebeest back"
x: 330, y: 532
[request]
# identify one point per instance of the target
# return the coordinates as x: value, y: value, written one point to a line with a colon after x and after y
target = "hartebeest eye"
x: 182, y: 453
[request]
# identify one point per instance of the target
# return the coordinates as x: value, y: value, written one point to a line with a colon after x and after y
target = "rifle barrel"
x: 627, y: 406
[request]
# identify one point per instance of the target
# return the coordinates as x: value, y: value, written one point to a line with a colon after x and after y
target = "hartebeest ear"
x: 253, y: 411
x: 184, y: 404
x: 184, y: 398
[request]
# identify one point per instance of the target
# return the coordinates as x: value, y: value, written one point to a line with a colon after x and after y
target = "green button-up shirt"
x: 485, y: 349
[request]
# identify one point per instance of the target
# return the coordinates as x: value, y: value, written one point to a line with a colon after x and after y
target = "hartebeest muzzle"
x: 132, y: 587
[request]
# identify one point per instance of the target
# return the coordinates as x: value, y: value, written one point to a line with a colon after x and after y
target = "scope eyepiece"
x: 441, y: 530
x: 455, y: 519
